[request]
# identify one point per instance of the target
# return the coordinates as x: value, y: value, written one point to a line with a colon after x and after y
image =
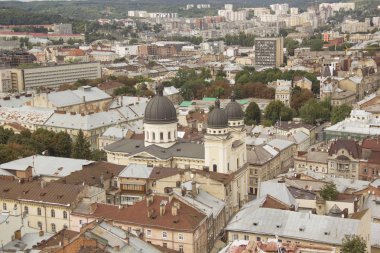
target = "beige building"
x: 223, y: 150
x: 318, y: 233
x: 264, y: 164
x: 45, y: 206
x: 83, y: 100
x: 343, y: 98
x: 283, y: 94
x: 164, y: 221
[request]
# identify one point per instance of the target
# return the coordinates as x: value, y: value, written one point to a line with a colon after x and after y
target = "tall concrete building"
x: 269, y: 52
x: 53, y: 76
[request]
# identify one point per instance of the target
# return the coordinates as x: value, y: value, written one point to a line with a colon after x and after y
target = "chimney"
x: 102, y: 179
x: 162, y: 209
x: 193, y: 189
x: 84, y: 99
x: 174, y: 210
x: 149, y: 200
x: 170, y: 196
x: 18, y: 234
x: 43, y: 184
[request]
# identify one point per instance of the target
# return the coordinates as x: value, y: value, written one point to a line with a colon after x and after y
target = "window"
x: 235, y: 237
x: 165, y: 245
x: 52, y: 213
x: 214, y: 167
x: 53, y: 228
x: 39, y: 225
x: 169, y: 137
x: 4, y: 206
x: 161, y: 136
x: 26, y: 209
x: 39, y: 211
x: 64, y: 214
x: 258, y: 239
x: 180, y: 248
x: 180, y: 237
x: 153, y: 136
x: 65, y: 226
x: 164, y: 234
x: 148, y: 232
x: 246, y: 237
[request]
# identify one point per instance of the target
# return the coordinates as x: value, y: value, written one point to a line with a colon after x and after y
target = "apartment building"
x: 269, y: 52
x: 165, y: 221
x: 46, y: 206
x: 53, y: 76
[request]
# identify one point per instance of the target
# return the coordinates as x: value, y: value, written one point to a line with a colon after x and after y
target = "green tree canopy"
x: 252, y: 114
x: 339, y: 113
x: 62, y: 144
x: 313, y: 111
x: 276, y: 110
x: 353, y: 244
x: 81, y: 147
x: 329, y: 192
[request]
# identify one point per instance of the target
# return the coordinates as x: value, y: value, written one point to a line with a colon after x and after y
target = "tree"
x: 5, y: 135
x: 62, y: 144
x: 81, y: 147
x: 276, y: 110
x: 339, y: 113
x: 329, y: 192
x: 313, y: 111
x: 252, y: 114
x: 98, y: 155
x: 353, y: 244
x: 299, y: 97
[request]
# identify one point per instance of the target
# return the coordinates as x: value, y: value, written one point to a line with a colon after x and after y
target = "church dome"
x: 217, y: 118
x: 233, y: 110
x: 160, y: 110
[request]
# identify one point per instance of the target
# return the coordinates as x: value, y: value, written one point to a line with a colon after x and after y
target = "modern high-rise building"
x: 269, y: 52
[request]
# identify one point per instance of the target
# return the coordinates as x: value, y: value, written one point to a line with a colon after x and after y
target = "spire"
x: 159, y: 89
x: 217, y: 103
x: 233, y: 97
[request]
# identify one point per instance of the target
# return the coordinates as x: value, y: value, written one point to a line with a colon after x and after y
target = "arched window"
x: 39, y: 211
x: 53, y: 228
x: 214, y: 167
x: 52, y: 213
x: 153, y: 136
x: 161, y: 136
x: 64, y: 214
x: 169, y: 135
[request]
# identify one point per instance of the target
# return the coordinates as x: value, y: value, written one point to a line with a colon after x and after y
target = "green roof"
x: 186, y: 103
x: 207, y: 99
x: 243, y: 101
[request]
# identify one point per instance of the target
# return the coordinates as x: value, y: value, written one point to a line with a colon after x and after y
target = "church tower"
x: 160, y: 121
x: 217, y: 141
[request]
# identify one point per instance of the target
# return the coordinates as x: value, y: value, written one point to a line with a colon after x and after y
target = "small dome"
x: 233, y: 110
x: 217, y: 118
x: 160, y: 109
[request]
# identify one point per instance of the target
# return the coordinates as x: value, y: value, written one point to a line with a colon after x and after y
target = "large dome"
x: 217, y: 118
x: 233, y: 110
x: 160, y: 110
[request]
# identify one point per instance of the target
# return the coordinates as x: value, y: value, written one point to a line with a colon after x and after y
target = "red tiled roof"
x: 371, y: 143
x: 188, y: 218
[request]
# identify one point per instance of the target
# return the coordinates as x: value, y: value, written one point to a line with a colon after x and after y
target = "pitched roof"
x: 350, y: 145
x: 51, y: 192
x: 91, y: 174
x: 188, y: 218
